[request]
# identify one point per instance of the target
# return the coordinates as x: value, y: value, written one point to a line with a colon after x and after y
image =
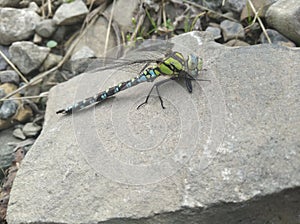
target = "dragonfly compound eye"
x: 192, y: 62
x: 200, y: 64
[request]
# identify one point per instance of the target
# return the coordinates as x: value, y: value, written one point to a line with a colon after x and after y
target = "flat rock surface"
x: 227, y: 153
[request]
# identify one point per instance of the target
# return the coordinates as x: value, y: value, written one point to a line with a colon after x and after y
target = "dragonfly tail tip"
x: 61, y: 111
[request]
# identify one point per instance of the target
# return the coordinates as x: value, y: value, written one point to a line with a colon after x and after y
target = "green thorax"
x: 172, y: 64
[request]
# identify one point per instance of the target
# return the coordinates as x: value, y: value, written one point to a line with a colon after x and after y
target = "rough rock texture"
x: 6, y: 151
x: 70, y: 13
x: 3, y: 63
x: 16, y: 24
x: 123, y: 13
x: 9, y: 76
x: 284, y: 17
x: 276, y: 38
x: 9, y: 3
x: 235, y: 5
x: 46, y: 28
x: 232, y: 30
x: 94, y: 38
x: 227, y: 153
x: 28, y: 56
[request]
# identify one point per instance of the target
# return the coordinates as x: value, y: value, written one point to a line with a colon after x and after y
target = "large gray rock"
x: 46, y: 28
x: 235, y: 5
x: 232, y: 30
x: 28, y: 56
x: 95, y: 38
x: 95, y: 35
x: 70, y: 13
x: 283, y: 15
x: 276, y: 38
x: 227, y: 153
x: 16, y: 24
x: 124, y: 12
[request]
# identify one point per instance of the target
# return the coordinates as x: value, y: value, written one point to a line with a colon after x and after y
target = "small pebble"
x: 51, y: 61
x: 18, y: 133
x: 8, y: 87
x: 24, y: 114
x: 9, y: 76
x: 31, y: 129
x: 8, y: 109
x: 70, y: 13
x: 46, y: 28
x: 232, y: 30
x: 84, y: 52
x: 236, y: 43
x: 276, y: 38
x: 235, y: 5
x: 215, y: 31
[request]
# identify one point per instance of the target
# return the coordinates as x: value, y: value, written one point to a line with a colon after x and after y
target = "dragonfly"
x: 173, y: 65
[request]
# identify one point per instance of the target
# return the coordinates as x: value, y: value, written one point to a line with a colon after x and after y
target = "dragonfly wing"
x: 150, y: 48
x: 153, y: 45
x: 101, y: 64
x: 136, y: 57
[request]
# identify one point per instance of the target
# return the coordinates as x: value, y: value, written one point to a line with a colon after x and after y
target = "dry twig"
x: 259, y: 21
x: 13, y: 66
x: 108, y: 28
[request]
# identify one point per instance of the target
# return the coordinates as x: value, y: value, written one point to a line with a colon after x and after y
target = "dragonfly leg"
x: 156, y: 85
x: 188, y: 76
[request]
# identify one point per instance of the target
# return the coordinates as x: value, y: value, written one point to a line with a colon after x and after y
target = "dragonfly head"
x: 194, y: 64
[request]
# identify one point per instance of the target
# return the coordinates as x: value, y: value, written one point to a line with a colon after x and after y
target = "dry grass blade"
x: 109, y: 27
x: 40, y: 76
x: 164, y: 14
x: 259, y: 21
x: 13, y: 66
x: 45, y: 94
x: 43, y: 9
x: 252, y: 23
x: 46, y: 6
x: 196, y: 18
x: 142, y: 16
x: 93, y: 15
x: 117, y: 32
x: 21, y: 144
x: 50, y: 13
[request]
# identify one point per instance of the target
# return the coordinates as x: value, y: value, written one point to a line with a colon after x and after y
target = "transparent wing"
x: 152, y: 47
x: 135, y: 56
x: 128, y: 65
